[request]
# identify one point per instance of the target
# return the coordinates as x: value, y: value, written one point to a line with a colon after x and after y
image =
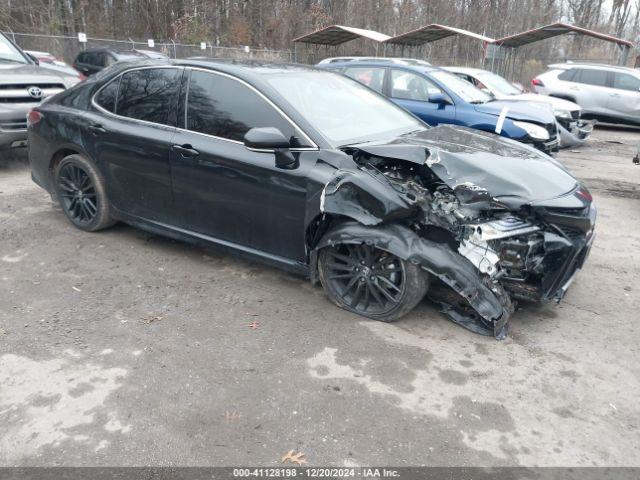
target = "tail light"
x: 33, y: 117
x: 536, y: 82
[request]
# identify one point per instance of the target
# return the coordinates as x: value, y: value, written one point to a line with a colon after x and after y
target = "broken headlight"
x: 534, y: 131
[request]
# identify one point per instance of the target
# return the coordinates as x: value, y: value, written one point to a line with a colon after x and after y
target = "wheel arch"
x: 61, y: 152
x: 438, y: 259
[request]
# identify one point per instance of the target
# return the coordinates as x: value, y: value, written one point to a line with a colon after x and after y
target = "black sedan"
x: 310, y: 171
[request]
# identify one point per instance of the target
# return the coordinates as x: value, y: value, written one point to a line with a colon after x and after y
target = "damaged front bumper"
x: 575, y: 132
x: 470, y: 299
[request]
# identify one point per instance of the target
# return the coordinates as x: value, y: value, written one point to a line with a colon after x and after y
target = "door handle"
x: 97, y: 129
x: 614, y: 95
x: 186, y: 150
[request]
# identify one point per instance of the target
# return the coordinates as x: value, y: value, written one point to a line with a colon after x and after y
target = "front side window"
x: 149, y: 94
x: 624, y: 81
x: 370, y: 76
x: 592, y: 77
x: 409, y: 86
x: 224, y: 107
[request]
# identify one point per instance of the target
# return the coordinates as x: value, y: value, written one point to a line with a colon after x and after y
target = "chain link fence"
x: 66, y: 48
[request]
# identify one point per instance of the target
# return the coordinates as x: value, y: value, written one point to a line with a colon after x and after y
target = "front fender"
x: 438, y: 259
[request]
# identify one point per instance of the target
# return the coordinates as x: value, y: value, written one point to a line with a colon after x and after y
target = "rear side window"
x: 624, y: 81
x: 369, y: 76
x: 148, y: 94
x: 567, y: 75
x: 591, y: 77
x: 223, y: 107
x: 107, y: 97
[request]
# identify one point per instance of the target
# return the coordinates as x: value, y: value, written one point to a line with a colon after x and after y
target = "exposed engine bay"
x: 486, y: 251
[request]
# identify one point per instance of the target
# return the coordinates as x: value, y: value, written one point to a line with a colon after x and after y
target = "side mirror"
x: 270, y: 139
x: 438, y: 97
x: 33, y: 58
x: 265, y: 138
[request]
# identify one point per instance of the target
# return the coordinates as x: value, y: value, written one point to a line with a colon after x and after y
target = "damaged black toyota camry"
x: 313, y: 172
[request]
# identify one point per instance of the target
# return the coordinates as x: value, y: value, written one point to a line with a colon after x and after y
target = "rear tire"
x: 81, y: 193
x: 371, y: 282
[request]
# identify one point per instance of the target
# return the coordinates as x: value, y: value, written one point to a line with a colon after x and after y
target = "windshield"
x: 460, y: 87
x: 496, y: 83
x: 344, y: 111
x: 9, y: 53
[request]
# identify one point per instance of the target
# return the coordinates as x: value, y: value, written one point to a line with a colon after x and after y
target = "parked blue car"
x: 437, y: 96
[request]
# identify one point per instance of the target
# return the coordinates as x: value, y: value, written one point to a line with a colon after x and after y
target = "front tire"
x: 371, y: 282
x: 81, y: 193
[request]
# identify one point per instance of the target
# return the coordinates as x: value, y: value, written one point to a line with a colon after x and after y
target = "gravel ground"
x: 124, y: 348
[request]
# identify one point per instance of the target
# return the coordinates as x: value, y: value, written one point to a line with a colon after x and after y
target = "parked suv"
x: 605, y: 92
x: 93, y: 60
x: 23, y: 85
x: 440, y: 97
x: 573, y: 130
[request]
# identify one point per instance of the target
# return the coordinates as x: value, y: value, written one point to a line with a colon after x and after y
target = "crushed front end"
x: 474, y: 221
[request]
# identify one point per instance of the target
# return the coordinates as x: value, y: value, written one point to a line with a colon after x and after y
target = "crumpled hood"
x: 518, y: 110
x: 481, y: 166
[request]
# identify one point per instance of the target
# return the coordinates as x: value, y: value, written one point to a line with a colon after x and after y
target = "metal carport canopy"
x: 553, y: 30
x: 338, y: 34
x: 431, y: 33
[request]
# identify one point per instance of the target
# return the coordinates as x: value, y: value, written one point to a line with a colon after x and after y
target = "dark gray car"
x: 23, y: 85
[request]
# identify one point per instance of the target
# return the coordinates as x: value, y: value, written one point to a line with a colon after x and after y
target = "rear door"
x: 129, y: 132
x: 414, y: 91
x: 590, y: 87
x: 624, y: 98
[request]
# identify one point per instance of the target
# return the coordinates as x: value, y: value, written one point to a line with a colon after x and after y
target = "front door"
x: 225, y: 191
x: 624, y: 97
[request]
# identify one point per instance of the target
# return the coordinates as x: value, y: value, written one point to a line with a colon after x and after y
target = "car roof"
x: 384, y: 62
x: 245, y: 67
x: 596, y: 66
x: 467, y: 70
x: 114, y: 51
x: 395, y: 60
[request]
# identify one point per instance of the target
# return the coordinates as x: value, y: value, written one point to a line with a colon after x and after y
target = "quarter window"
x: 108, y: 95
x: 223, y: 107
x: 369, y: 76
x: 624, y: 81
x: 148, y: 94
x: 591, y: 77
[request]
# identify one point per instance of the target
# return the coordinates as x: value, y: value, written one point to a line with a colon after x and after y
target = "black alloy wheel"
x: 80, y: 190
x: 77, y: 194
x: 371, y: 282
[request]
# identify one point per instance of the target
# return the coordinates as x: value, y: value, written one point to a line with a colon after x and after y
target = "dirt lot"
x: 123, y: 348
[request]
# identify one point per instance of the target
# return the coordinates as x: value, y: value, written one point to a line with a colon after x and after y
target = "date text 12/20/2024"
x: 310, y: 472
